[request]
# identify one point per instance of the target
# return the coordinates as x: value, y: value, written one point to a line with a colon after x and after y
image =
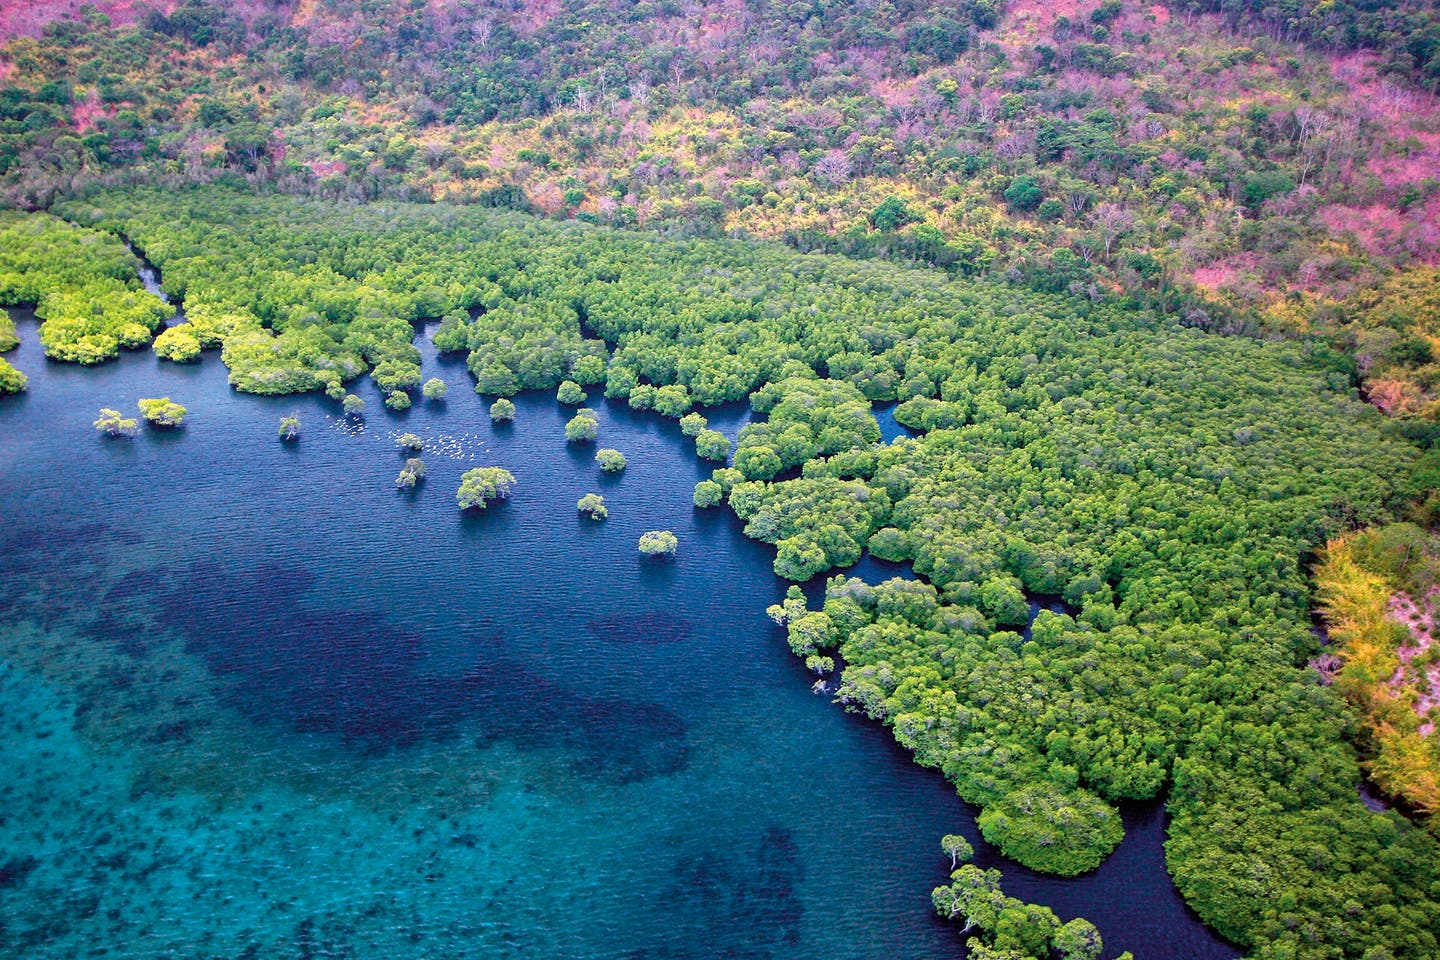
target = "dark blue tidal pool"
x: 256, y: 702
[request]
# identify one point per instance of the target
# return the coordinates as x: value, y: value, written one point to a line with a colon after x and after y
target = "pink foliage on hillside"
x: 1417, y: 158
x: 1418, y: 617
x: 1225, y: 272
x: 27, y: 18
x: 534, y: 14
x: 85, y: 113
x: 1382, y: 230
x: 1034, y: 18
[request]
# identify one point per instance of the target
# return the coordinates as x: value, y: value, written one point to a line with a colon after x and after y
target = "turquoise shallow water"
x: 257, y: 703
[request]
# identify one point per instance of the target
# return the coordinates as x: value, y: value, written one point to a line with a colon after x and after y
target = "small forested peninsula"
x: 1168, y: 484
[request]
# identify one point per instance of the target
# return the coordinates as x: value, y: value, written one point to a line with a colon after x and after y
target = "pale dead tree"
x: 1015, y: 145
x: 1393, y: 96
x: 640, y: 89
x: 834, y: 168
x: 1076, y: 201
x: 677, y: 76
x: 583, y: 99
x: 481, y: 32
x: 1113, y: 221
x: 984, y: 111
x: 1342, y: 143
x: 1310, y: 125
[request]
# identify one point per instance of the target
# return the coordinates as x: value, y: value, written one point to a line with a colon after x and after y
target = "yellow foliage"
x: 1408, y: 765
x: 1355, y: 602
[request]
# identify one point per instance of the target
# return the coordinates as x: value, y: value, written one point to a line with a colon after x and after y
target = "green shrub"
x: 162, y: 411
x: 483, y: 484
x: 658, y: 543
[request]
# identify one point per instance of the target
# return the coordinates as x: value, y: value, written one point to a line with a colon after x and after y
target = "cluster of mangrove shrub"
x: 1006, y: 928
x: 434, y: 389
x: 712, y: 445
x: 593, y: 506
x: 162, y: 411
x: 11, y: 379
x: 9, y: 339
x: 352, y: 405
x: 808, y: 418
x: 410, y: 441
x: 1378, y: 591
x: 410, y: 474
x: 708, y: 493
x: 84, y: 284
x: 692, y: 424
x: 583, y: 427
x: 1166, y: 482
x: 658, y: 543
x: 610, y: 459
x: 113, y: 423
x: 502, y: 410
x: 571, y: 393
x: 290, y: 427
x: 670, y: 400
x: 483, y: 484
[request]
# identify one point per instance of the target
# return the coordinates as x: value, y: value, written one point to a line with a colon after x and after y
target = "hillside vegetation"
x: 1253, y: 167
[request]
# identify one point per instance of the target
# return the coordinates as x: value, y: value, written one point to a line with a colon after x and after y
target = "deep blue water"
x: 256, y: 702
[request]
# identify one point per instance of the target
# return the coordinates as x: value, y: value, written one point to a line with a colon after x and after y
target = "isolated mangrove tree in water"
x: 1166, y: 482
x: 162, y: 411
x: 610, y: 459
x: 571, y: 393
x: 113, y: 423
x: 593, y: 506
x: 658, y: 543
x: 583, y: 427
x: 483, y: 484
x: 410, y: 474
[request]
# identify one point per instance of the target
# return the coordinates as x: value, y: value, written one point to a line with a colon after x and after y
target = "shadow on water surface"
x: 357, y: 675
